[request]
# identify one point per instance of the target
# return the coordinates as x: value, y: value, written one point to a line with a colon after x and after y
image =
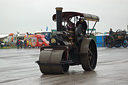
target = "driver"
x: 110, y: 32
x: 83, y: 23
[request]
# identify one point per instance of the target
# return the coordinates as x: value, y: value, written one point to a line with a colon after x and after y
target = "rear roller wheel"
x: 89, y: 60
x: 53, y: 62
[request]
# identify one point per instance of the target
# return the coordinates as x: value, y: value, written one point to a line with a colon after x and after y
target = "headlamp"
x: 53, y: 41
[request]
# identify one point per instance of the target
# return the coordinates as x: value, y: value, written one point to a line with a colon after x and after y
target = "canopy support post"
x: 92, y: 28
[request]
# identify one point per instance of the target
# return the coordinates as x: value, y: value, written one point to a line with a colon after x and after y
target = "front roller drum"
x: 89, y: 60
x: 50, y: 62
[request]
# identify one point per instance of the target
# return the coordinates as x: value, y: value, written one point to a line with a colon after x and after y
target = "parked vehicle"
x: 117, y: 39
x: 36, y: 40
x: 46, y: 34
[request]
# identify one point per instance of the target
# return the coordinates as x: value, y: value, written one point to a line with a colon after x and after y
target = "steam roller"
x: 70, y: 44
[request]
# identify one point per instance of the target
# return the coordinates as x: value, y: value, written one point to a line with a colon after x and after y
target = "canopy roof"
x: 3, y: 36
x: 67, y: 15
x: 11, y: 34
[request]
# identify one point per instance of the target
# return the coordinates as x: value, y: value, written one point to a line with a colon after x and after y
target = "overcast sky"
x: 34, y: 15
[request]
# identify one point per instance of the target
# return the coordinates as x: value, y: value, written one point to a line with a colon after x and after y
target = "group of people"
x: 20, y: 43
x: 80, y: 22
x: 2, y: 43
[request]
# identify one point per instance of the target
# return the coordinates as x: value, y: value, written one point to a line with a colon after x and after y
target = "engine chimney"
x: 59, y: 18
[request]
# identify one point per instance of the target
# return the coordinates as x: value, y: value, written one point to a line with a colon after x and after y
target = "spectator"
x: 25, y: 43
x: 18, y: 43
x: 21, y: 44
x: 12, y: 41
x: 2, y: 43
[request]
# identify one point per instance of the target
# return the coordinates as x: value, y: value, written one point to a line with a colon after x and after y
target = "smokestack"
x: 59, y: 18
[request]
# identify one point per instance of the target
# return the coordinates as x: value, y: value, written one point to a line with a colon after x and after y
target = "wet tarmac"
x: 18, y: 67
